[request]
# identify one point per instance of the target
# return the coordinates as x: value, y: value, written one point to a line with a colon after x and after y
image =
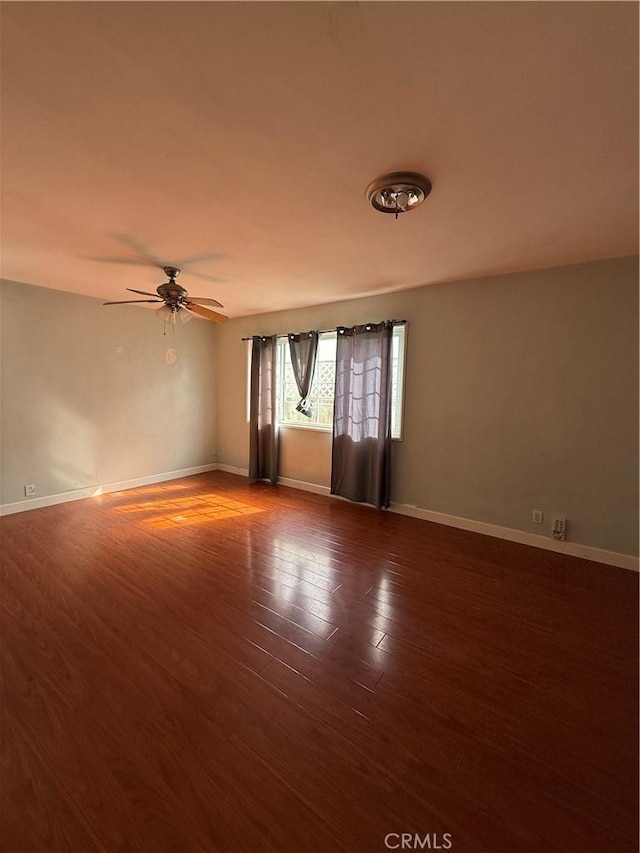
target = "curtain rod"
x: 324, y: 331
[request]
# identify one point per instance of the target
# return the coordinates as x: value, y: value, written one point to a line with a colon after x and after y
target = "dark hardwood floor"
x: 207, y: 665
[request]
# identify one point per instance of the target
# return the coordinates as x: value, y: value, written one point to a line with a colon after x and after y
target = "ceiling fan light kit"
x: 398, y: 192
x: 171, y: 315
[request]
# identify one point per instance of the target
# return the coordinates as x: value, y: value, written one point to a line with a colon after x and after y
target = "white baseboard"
x: 574, y: 549
x: 231, y: 469
x: 106, y: 488
x: 305, y: 487
x: 48, y: 500
x: 282, y: 481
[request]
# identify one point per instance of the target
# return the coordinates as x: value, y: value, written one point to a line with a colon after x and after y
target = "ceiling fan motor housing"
x: 172, y: 293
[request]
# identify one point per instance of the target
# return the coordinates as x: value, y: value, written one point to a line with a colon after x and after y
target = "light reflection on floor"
x: 190, y: 510
x: 154, y: 490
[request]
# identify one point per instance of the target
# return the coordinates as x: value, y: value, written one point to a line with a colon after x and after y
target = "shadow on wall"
x: 70, y: 441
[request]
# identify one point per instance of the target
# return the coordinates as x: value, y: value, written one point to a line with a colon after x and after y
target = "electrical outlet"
x: 537, y: 516
x: 559, y: 529
x: 30, y: 490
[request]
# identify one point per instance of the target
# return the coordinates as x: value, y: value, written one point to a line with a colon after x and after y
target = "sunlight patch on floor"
x: 154, y: 490
x: 194, y: 509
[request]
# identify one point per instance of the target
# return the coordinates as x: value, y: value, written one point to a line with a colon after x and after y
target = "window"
x: 322, y: 388
x: 397, y: 379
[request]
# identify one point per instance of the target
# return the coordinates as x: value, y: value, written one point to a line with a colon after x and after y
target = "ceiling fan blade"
x: 143, y: 262
x: 205, y: 312
x: 217, y: 278
x: 130, y: 301
x: 139, y: 248
x: 127, y: 261
x: 196, y: 259
x: 204, y: 300
x: 143, y: 292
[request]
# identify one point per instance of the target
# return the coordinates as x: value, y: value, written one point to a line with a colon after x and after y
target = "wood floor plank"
x: 209, y: 665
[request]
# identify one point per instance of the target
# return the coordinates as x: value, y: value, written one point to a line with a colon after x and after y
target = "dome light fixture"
x: 398, y: 192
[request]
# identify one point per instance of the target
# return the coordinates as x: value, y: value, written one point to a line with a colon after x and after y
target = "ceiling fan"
x: 177, y: 302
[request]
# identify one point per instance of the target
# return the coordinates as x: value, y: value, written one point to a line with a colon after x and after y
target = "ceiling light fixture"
x: 398, y: 192
x: 171, y: 313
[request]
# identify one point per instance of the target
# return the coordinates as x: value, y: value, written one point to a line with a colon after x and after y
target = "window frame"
x: 400, y: 375
x: 283, y: 356
x: 400, y: 384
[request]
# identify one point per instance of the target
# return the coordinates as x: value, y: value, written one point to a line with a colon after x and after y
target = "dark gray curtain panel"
x: 263, y: 430
x: 361, y: 453
x: 303, y: 349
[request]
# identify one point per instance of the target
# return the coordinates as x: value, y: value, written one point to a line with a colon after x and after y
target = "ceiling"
x: 236, y: 140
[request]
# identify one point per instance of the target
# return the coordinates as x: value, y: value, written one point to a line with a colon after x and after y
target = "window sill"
x: 310, y: 427
x: 315, y: 428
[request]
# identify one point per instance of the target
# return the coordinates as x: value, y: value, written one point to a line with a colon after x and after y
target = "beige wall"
x: 521, y: 392
x: 88, y: 397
